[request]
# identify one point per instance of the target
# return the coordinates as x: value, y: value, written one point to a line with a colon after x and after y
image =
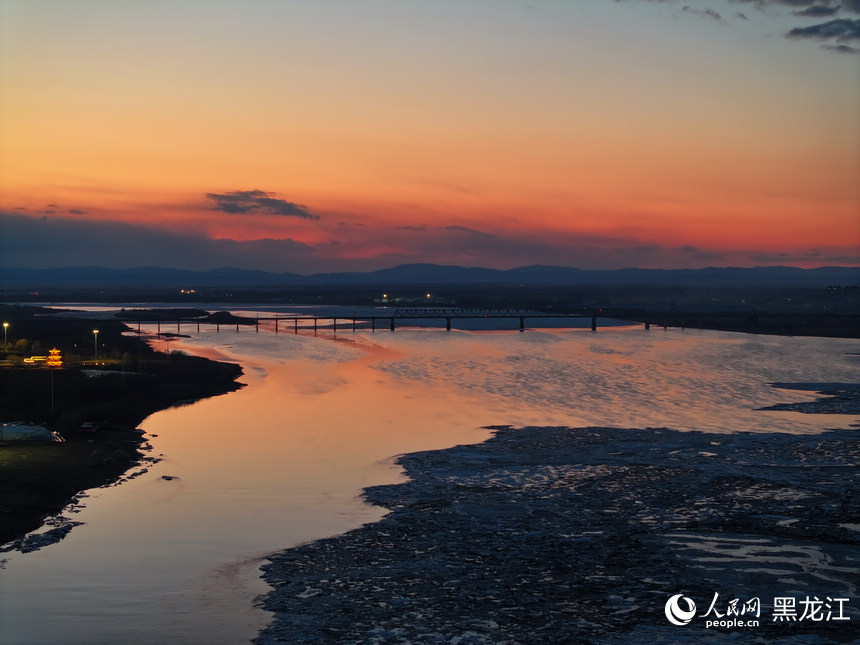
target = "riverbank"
x: 582, y: 535
x: 95, y: 406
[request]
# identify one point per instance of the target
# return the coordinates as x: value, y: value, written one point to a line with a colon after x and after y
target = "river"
x: 172, y: 555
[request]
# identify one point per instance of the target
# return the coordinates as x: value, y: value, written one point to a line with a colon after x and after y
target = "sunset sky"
x: 329, y: 135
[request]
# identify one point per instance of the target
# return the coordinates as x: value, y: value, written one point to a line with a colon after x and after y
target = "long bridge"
x: 370, y: 320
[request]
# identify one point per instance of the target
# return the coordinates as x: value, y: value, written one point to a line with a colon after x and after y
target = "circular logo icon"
x: 675, y: 614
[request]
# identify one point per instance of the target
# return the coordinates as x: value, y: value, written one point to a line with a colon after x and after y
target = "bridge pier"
x: 448, y: 323
x: 522, y: 323
x: 373, y: 324
x: 594, y: 323
x: 353, y: 325
x: 392, y: 323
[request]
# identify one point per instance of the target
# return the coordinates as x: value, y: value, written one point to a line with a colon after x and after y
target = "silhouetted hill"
x: 421, y: 274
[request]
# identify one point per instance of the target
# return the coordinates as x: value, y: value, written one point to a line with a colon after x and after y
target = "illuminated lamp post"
x: 5, y: 329
x: 96, y: 344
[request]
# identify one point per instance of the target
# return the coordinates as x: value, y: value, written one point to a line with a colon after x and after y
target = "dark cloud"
x: 75, y: 211
x: 471, y: 232
x: 842, y: 49
x: 839, y: 30
x: 818, y: 11
x: 833, y: 34
x: 808, y: 8
x: 808, y: 257
x: 28, y: 242
x: 705, y: 13
x: 240, y: 202
x: 31, y: 242
x: 763, y: 4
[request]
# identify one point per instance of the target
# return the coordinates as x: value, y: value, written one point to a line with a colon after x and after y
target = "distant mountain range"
x: 425, y: 274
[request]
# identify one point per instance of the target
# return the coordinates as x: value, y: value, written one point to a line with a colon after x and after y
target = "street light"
x: 96, y: 343
x: 5, y: 329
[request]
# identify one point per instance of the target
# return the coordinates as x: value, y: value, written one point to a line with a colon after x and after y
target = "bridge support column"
x: 257, y: 324
x: 448, y: 324
x: 198, y: 326
x: 158, y: 326
x: 594, y: 323
x: 392, y: 323
x: 522, y: 323
x: 334, y: 325
x: 373, y: 324
x: 353, y: 324
x: 315, y: 326
x: 276, y: 325
x: 177, y: 326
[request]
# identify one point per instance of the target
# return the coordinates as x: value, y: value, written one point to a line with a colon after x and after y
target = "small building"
x: 54, y: 358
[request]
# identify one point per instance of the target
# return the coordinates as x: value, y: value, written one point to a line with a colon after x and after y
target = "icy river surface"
x: 173, y: 554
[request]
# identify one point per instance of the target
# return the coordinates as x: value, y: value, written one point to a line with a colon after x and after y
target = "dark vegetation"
x: 95, y: 405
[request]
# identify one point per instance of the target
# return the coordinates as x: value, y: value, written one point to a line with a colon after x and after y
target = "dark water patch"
x: 839, y: 398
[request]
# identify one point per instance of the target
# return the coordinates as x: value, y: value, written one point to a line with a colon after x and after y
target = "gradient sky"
x: 328, y: 135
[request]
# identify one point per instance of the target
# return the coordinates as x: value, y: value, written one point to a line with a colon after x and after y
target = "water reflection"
x: 281, y: 461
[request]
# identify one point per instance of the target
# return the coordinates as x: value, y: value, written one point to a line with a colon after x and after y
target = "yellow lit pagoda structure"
x: 54, y: 358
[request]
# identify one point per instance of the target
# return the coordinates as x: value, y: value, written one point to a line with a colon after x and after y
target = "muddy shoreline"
x: 581, y: 535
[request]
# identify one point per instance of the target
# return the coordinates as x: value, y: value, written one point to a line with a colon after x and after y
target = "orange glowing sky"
x: 330, y: 135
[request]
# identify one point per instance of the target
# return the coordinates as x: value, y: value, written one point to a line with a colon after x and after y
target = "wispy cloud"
x: 834, y: 35
x: 818, y: 11
x: 704, y: 13
x: 837, y: 32
x: 240, y: 202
